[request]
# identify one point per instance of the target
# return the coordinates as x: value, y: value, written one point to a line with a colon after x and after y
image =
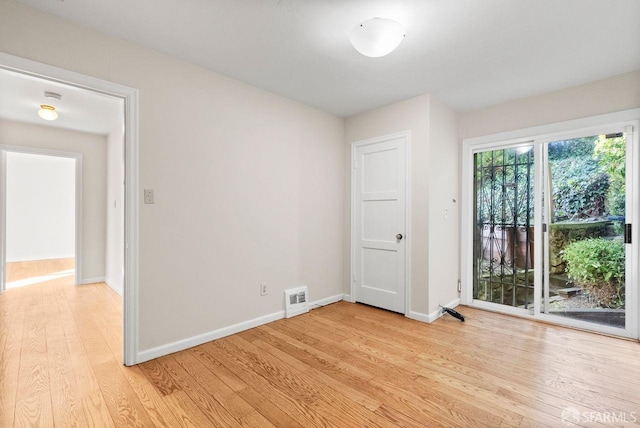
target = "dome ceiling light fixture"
x: 48, y: 112
x: 377, y: 37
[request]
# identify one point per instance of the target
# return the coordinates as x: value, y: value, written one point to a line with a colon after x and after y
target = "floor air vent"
x: 296, y: 301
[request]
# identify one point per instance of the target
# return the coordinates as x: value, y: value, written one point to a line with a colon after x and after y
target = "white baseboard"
x: 326, y: 301
x: 117, y: 288
x: 38, y: 258
x: 429, y: 318
x: 347, y: 298
x: 190, y: 342
x: 438, y: 312
x: 92, y: 280
x: 418, y: 316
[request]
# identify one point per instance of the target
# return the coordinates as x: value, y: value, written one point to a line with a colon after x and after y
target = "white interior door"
x: 379, y: 224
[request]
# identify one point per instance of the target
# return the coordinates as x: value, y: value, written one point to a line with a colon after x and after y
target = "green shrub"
x: 571, y: 149
x: 597, y: 264
x: 579, y: 188
x: 595, y: 261
x: 611, y: 154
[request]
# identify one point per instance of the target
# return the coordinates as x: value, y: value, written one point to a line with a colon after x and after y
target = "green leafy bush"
x: 595, y: 260
x: 579, y: 188
x: 611, y: 155
x: 571, y: 149
x: 598, y: 265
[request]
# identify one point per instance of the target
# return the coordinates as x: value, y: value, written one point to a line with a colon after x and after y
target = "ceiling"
x: 468, y: 53
x: 79, y: 109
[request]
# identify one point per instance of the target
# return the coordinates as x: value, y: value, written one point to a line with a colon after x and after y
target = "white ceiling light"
x: 48, y: 112
x: 377, y: 37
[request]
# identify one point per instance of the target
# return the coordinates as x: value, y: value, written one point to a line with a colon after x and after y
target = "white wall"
x: 93, y: 150
x: 444, y: 220
x: 616, y: 93
x: 434, y: 183
x: 114, y: 262
x: 249, y: 186
x: 40, y: 207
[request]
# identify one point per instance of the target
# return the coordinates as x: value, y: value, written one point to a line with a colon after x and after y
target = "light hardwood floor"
x: 342, y: 365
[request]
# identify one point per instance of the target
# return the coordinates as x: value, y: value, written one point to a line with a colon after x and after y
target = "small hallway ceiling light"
x: 377, y: 37
x: 48, y: 112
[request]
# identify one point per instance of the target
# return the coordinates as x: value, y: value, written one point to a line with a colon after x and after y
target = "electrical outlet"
x: 148, y: 196
x: 263, y: 288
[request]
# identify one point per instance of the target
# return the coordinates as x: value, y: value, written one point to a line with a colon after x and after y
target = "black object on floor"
x: 453, y: 313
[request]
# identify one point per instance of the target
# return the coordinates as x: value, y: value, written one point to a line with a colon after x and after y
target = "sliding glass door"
x: 547, y: 230
x: 585, y: 199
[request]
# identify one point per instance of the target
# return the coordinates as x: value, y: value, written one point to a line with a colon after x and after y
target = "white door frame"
x: 406, y: 135
x: 4, y: 149
x: 130, y: 98
x: 539, y: 136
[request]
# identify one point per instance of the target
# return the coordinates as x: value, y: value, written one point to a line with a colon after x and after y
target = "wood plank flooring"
x: 38, y: 270
x: 342, y: 365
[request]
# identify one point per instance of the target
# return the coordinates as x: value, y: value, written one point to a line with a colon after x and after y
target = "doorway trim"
x: 406, y: 135
x: 131, y: 143
x: 4, y: 149
x: 539, y: 135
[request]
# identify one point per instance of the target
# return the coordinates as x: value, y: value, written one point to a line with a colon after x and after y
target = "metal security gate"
x: 503, y: 236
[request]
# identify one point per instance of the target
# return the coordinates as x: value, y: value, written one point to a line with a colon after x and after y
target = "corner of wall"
x: 444, y: 205
x: 114, y: 286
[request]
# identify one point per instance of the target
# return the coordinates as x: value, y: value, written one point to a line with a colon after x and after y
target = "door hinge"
x: 627, y: 233
x: 544, y: 227
x: 355, y: 165
x: 354, y: 277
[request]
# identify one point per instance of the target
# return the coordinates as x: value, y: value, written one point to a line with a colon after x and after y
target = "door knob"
x: 399, y: 236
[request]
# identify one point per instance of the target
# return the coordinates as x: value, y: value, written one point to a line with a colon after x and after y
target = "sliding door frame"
x: 539, y: 136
